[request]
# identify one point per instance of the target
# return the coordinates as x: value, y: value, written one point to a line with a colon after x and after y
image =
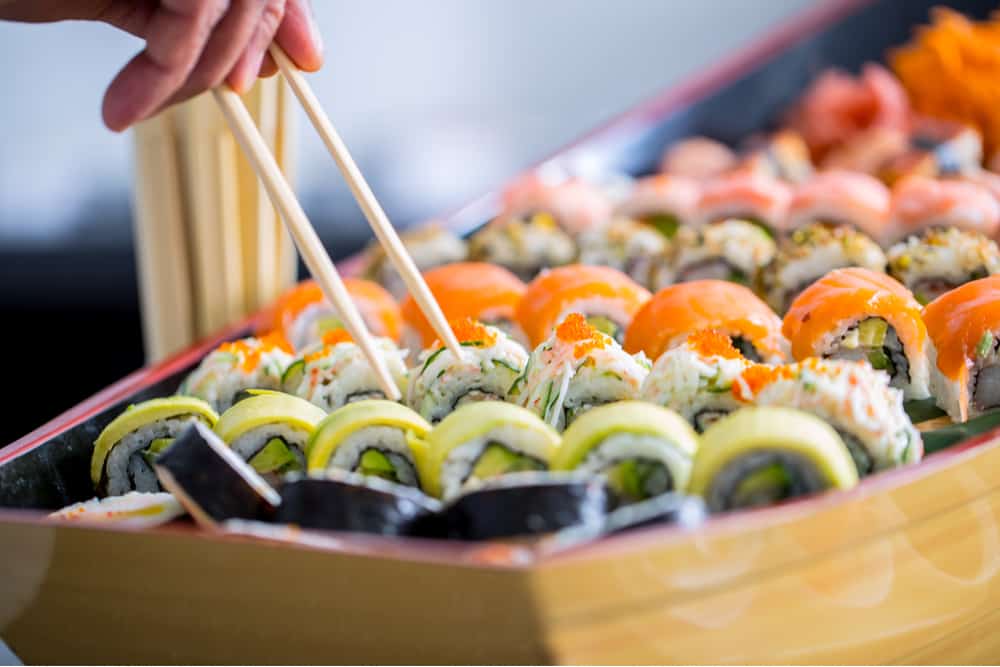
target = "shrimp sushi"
x: 483, y: 292
x: 697, y: 157
x: 964, y: 327
x: 858, y: 314
x: 945, y: 230
x: 744, y: 195
x: 226, y: 373
x: 607, y: 299
x: 836, y: 220
x: 677, y: 311
x: 430, y: 245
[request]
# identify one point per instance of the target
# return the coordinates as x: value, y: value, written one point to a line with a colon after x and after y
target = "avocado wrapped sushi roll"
x: 377, y: 438
x: 575, y: 369
x: 643, y: 450
x: 337, y: 372
x: 226, y: 373
x: 731, y: 249
x: 484, y: 440
x: 695, y: 379
x: 490, y: 363
x: 760, y: 456
x: 124, y: 451
x: 270, y: 430
x: 430, y: 245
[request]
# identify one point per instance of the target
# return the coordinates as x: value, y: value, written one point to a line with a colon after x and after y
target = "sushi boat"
x: 903, y: 567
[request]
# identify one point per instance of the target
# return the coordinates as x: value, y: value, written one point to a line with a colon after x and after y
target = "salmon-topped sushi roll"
x: 483, y: 292
x: 944, y: 231
x: 698, y: 157
x: 574, y: 204
x: 662, y: 201
x: 606, y: 298
x: 837, y: 219
x: 750, y: 196
x: 964, y: 327
x: 783, y: 155
x: 858, y: 314
x: 680, y: 310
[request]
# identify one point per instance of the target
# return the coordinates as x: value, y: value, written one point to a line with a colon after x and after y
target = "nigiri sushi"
x: 750, y: 196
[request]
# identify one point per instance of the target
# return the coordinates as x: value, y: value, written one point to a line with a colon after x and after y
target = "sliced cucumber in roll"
x: 125, y: 449
x: 643, y: 450
x: 763, y: 455
x: 377, y: 438
x: 481, y: 441
x: 269, y: 430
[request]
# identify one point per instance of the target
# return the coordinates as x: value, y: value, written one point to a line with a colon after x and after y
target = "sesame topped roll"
x: 490, y: 363
x: 227, y: 372
x: 733, y: 249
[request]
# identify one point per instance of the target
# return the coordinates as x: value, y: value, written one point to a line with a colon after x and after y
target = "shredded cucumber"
x: 275, y: 457
x: 872, y: 332
x: 985, y: 344
x: 498, y: 460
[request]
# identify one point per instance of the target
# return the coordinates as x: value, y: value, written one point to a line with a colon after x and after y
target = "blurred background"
x: 439, y: 102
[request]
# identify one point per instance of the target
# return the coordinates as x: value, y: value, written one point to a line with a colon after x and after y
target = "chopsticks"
x: 384, y: 231
x: 306, y: 240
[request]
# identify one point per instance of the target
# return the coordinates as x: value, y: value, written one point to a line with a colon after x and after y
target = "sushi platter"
x: 727, y: 399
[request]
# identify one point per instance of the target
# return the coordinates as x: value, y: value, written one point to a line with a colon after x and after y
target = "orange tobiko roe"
x: 554, y: 291
x: 756, y: 377
x: 377, y: 307
x: 575, y: 329
x: 851, y: 294
x: 330, y: 339
x: 477, y: 290
x: 468, y: 330
x: 686, y: 308
x: 250, y: 350
x: 713, y: 343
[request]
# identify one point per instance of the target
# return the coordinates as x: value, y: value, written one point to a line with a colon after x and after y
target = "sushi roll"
x: 783, y: 155
x: 303, y: 314
x: 836, y: 220
x: 851, y: 396
x: 698, y: 157
x: 480, y: 441
x: 484, y: 292
x: 635, y: 248
x: 868, y: 152
x: 642, y: 450
x: 731, y: 249
x: 124, y: 451
x: 607, y: 299
x: 375, y: 438
x: 663, y: 201
x: 491, y: 361
x: 747, y: 196
x: 270, y: 431
x: 430, y: 245
x: 964, y: 326
x: 677, y: 311
x: 134, y: 509
x: 760, y: 456
x: 337, y: 372
x: 574, y: 205
x: 950, y: 148
x: 859, y: 314
x: 695, y: 379
x: 575, y: 369
x: 229, y: 371
x: 945, y: 230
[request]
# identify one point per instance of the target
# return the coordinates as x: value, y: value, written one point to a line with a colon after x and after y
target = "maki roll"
x: 575, y: 369
x: 484, y: 440
x: 664, y: 202
x: 135, y: 509
x: 635, y: 248
x: 680, y: 310
x: 835, y: 220
x: 851, y: 396
x: 857, y: 314
x: 491, y: 361
x: 483, y: 292
x: 783, y: 155
x: 730, y: 249
x: 430, y: 245
x: 698, y: 157
x: 747, y: 196
x: 270, y: 430
x: 337, y: 372
x: 226, y: 373
x: 760, y: 456
x: 964, y: 327
x: 303, y: 314
x: 124, y: 451
x: 606, y: 298
x: 945, y: 230
x: 695, y: 379
x: 375, y: 438
x: 642, y: 450
x: 575, y: 205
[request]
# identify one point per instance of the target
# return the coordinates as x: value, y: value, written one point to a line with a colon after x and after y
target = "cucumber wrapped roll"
x: 376, y: 438
x: 227, y: 372
x: 484, y: 440
x: 490, y: 363
x: 695, y: 379
x: 575, y: 369
x: 337, y: 372
x: 852, y: 397
x: 270, y: 430
x: 125, y: 449
x: 643, y: 450
x: 760, y: 456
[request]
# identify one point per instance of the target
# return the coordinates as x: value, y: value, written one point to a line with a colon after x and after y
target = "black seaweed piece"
x: 343, y: 501
x: 211, y: 481
x: 525, y: 504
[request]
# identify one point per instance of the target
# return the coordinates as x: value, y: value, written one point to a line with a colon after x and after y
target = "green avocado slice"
x: 763, y: 487
x: 156, y: 447
x: 275, y: 457
x: 376, y: 464
x: 498, y: 460
x: 632, y: 479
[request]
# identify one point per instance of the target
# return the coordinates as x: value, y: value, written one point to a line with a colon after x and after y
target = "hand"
x: 191, y: 45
